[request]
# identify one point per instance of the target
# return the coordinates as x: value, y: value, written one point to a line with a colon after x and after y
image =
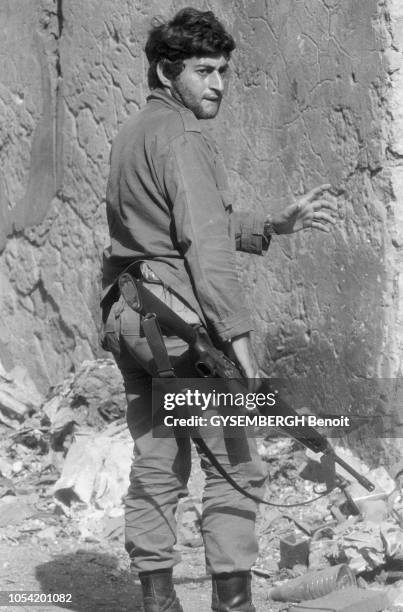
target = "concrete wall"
x: 314, y: 97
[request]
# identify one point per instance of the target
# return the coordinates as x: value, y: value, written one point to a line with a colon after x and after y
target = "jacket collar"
x: 160, y: 95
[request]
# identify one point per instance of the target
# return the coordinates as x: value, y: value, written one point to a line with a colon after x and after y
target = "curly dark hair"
x: 191, y: 33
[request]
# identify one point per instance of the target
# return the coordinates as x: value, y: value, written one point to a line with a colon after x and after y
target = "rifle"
x: 211, y: 362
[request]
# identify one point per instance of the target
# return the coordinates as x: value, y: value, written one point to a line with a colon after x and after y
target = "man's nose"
x: 216, y: 81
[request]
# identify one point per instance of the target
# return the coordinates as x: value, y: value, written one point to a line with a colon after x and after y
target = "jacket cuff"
x: 234, y: 325
x: 252, y: 238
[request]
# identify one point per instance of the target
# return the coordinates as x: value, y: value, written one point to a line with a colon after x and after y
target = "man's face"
x: 200, y: 85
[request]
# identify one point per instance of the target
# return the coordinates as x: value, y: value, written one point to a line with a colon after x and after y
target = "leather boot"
x: 232, y: 593
x: 158, y: 592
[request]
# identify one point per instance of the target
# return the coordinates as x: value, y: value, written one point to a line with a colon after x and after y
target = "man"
x: 170, y: 211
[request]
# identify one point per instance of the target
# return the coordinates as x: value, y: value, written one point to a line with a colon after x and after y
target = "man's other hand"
x: 315, y: 210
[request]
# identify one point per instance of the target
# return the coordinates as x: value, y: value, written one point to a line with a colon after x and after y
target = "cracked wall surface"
x: 307, y: 104
x: 394, y: 162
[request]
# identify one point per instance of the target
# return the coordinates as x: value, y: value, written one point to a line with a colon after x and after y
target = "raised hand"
x: 314, y: 210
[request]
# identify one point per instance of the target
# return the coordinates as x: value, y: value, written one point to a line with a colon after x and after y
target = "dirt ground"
x: 99, y: 579
x: 79, y: 551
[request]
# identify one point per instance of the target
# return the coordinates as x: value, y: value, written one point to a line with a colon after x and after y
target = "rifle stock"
x: 210, y: 362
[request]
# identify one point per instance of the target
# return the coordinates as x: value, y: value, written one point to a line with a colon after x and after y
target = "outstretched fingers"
x: 323, y: 216
x: 320, y: 226
x: 320, y: 220
x: 328, y: 203
x: 318, y: 191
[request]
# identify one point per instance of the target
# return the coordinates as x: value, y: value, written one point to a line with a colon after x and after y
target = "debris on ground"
x: 367, y: 534
x: 64, y: 469
x: 91, y: 397
x: 19, y: 396
x: 351, y: 599
x: 96, y: 469
x: 65, y: 460
x: 293, y: 550
x: 314, y: 584
x: 189, y: 522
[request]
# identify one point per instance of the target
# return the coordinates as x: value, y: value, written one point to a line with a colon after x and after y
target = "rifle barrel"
x: 364, y: 482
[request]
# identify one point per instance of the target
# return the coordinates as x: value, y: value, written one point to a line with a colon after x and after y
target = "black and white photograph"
x: 201, y: 243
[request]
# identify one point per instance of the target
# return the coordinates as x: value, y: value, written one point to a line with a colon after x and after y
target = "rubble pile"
x: 64, y: 469
x: 348, y: 526
x: 89, y: 398
x: 65, y: 459
x: 19, y: 397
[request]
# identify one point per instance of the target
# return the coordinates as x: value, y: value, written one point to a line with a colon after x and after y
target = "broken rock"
x: 10, y: 407
x: 6, y: 468
x: 96, y: 470
x: 18, y: 396
x: 91, y: 397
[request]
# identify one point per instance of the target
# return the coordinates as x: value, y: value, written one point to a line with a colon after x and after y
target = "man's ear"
x: 165, y: 82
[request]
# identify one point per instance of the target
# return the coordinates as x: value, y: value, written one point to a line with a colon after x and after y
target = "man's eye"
x: 203, y: 71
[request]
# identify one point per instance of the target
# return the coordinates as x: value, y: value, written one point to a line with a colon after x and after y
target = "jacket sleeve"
x: 203, y: 234
x: 249, y: 232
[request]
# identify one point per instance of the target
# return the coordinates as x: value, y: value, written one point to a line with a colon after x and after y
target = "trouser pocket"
x: 121, y: 321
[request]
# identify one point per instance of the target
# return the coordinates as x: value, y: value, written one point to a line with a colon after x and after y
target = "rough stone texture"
x: 306, y: 105
x: 394, y: 161
x: 308, y: 102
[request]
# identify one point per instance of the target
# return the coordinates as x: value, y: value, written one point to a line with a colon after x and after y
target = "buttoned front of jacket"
x: 168, y: 203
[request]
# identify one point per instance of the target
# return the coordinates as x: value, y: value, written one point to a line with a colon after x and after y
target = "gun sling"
x: 152, y: 308
x: 157, y: 346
